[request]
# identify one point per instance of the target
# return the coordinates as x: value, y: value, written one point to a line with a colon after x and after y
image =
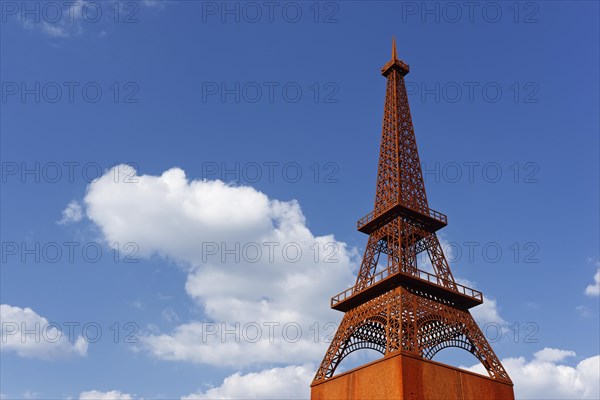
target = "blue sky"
x: 504, y: 99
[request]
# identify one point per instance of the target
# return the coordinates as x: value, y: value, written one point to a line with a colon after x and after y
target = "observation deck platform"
x: 386, y: 280
x: 432, y: 221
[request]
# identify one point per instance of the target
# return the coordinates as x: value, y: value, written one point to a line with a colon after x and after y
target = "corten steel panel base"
x: 407, y: 377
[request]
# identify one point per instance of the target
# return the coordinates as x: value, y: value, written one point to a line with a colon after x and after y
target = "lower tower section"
x: 412, y: 321
x: 408, y: 326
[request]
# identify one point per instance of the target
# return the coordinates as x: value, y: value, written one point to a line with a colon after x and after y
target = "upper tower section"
x: 399, y: 177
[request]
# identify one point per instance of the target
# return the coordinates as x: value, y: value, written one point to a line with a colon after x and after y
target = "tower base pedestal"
x: 408, y: 377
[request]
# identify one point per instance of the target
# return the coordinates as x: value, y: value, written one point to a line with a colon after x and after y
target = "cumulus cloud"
x: 72, y: 213
x: 545, y: 377
x: 30, y: 335
x: 261, y: 304
x: 291, y: 382
x: 594, y: 288
x: 261, y: 276
x: 553, y: 355
x: 98, y: 395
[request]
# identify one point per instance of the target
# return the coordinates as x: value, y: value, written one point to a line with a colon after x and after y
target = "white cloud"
x: 545, y: 378
x: 98, y: 395
x: 487, y: 312
x: 553, y: 355
x: 594, y: 289
x: 291, y: 382
x: 187, y: 221
x: 584, y: 312
x: 31, y: 335
x: 154, y: 3
x: 29, y: 395
x: 138, y: 304
x: 72, y: 213
x: 56, y: 31
x: 169, y: 315
x: 63, y: 20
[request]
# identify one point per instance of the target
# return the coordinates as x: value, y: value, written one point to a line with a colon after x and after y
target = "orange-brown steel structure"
x: 402, y: 309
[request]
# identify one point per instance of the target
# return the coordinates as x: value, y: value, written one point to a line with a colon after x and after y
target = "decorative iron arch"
x: 370, y: 334
x: 461, y: 342
x: 436, y: 333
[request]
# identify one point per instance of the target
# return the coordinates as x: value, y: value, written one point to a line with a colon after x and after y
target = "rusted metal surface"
x: 404, y: 376
x: 402, y: 309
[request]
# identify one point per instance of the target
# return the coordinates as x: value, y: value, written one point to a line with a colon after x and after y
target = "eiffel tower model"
x: 406, y: 314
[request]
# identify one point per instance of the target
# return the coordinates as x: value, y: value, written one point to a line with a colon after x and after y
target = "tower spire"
x: 395, y: 63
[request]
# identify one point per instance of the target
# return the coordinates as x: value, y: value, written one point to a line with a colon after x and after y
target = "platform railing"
x: 365, y: 220
x: 438, y: 215
x: 371, y: 216
x: 420, y: 274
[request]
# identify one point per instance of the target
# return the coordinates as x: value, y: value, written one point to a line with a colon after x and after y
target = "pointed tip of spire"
x: 394, y: 63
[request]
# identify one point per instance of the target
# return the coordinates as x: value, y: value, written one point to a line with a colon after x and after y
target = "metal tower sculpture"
x: 401, y: 308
